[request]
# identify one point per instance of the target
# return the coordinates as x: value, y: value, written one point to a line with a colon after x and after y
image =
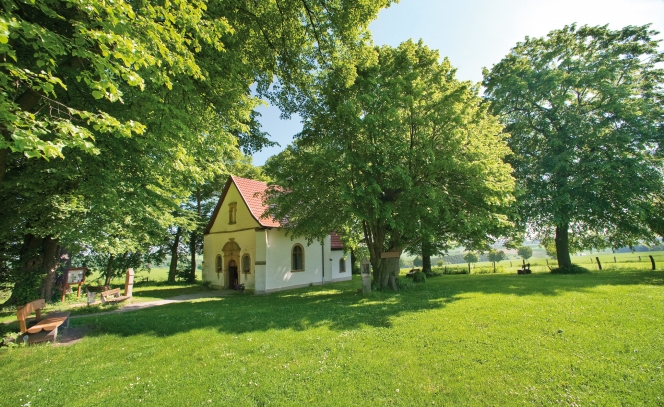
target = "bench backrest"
x: 111, y: 293
x: 25, y: 311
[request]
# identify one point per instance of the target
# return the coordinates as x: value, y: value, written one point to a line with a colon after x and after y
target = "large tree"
x: 400, y: 151
x: 583, y: 108
x: 113, y: 113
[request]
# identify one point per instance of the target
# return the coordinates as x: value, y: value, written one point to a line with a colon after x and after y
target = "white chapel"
x: 241, y: 247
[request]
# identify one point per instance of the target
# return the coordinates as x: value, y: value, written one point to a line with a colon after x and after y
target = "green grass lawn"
x: 142, y: 292
x: 540, y: 339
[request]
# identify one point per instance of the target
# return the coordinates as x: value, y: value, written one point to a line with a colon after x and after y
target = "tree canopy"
x: 114, y: 114
x: 525, y: 252
x: 400, y: 151
x: 470, y: 257
x: 584, y: 111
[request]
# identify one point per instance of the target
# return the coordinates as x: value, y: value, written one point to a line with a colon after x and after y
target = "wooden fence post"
x: 614, y: 259
x: 652, y: 260
x: 598, y: 263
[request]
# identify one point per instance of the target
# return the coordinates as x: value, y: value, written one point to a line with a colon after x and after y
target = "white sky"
x: 479, y: 33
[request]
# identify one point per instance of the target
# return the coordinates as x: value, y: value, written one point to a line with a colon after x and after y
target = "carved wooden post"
x: 129, y: 282
x: 365, y: 271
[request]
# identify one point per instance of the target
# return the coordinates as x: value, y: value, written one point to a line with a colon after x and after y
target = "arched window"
x: 218, y: 263
x: 232, y: 211
x: 246, y: 264
x: 342, y: 265
x: 297, y: 258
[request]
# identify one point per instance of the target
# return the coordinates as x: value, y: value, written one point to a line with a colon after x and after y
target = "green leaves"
x: 402, y: 152
x: 583, y: 108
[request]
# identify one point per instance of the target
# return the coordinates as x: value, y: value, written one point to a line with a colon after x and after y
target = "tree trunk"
x: 426, y: 257
x: 562, y: 246
x: 174, y: 256
x: 385, y: 271
x: 352, y: 261
x: 4, y: 153
x: 109, y: 271
x: 50, y: 265
x: 194, y: 239
x: 192, y: 248
x: 29, y: 279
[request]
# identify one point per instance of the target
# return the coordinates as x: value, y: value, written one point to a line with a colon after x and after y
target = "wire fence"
x: 620, y: 261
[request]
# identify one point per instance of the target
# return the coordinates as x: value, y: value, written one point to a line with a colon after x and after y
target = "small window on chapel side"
x: 297, y: 258
x: 232, y: 211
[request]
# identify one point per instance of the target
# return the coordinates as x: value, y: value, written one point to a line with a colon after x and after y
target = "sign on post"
x: 73, y: 276
x: 390, y: 255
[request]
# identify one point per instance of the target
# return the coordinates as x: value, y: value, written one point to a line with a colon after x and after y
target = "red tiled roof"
x: 335, y: 242
x: 253, y: 193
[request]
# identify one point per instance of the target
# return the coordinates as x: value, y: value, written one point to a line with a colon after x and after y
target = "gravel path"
x: 173, y: 300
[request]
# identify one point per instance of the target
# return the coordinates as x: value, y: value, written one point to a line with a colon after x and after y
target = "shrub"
x: 574, y: 269
x: 403, y: 283
x: 419, y: 277
x: 440, y: 263
x: 207, y: 283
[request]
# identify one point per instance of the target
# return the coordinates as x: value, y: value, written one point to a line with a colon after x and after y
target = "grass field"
x: 479, y: 339
x: 156, y: 288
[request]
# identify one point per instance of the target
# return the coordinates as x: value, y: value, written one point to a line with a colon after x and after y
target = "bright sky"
x: 479, y: 33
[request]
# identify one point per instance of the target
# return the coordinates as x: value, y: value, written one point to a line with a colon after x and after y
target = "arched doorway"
x: 232, y: 274
x: 231, y: 260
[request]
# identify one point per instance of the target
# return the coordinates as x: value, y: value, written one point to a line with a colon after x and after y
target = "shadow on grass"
x: 340, y: 307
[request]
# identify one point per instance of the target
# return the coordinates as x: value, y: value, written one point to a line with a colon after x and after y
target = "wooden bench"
x: 112, y: 296
x: 92, y: 291
x: 524, y: 270
x: 412, y: 272
x: 42, y: 329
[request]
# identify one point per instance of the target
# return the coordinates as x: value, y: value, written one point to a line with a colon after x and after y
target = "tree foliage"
x: 400, y: 151
x: 417, y: 261
x: 496, y: 256
x: 471, y: 257
x: 583, y: 108
x: 525, y: 252
x: 114, y: 114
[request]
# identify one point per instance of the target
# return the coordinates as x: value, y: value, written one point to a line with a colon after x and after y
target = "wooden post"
x: 652, y: 260
x: 614, y: 259
x: 639, y: 258
x: 547, y: 262
x: 598, y: 263
x: 468, y: 268
x: 129, y: 282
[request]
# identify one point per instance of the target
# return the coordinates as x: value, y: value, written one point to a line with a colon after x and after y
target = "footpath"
x: 173, y: 300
